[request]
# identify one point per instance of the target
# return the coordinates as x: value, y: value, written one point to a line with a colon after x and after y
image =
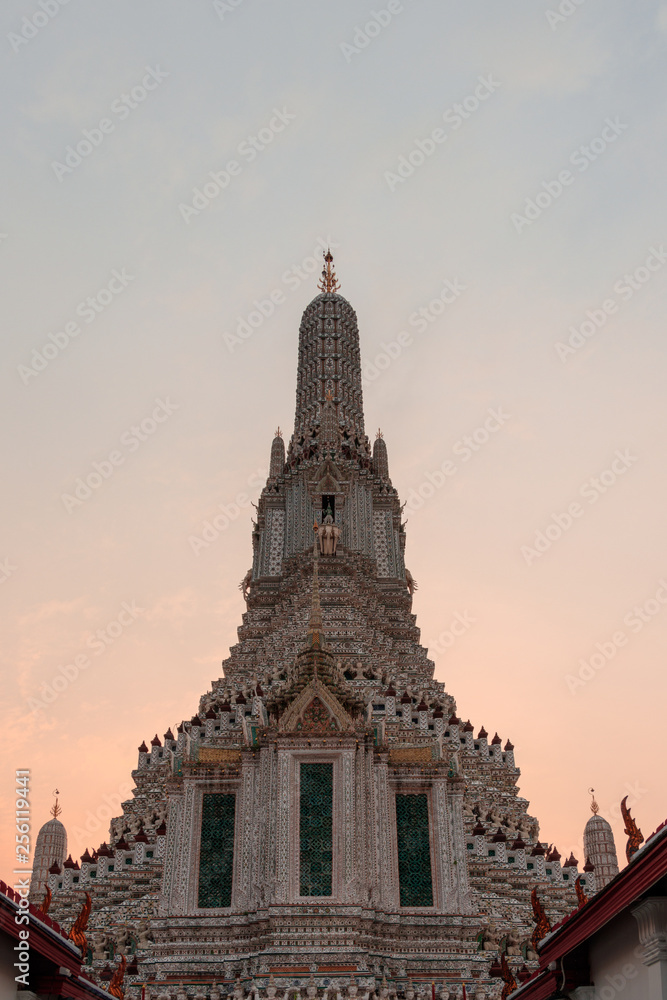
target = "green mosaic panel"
x: 316, y: 830
x: 414, y: 854
x: 216, y: 858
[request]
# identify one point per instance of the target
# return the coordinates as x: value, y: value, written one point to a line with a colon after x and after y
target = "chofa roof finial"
x: 634, y: 834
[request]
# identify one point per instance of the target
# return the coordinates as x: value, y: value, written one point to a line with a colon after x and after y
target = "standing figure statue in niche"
x: 328, y: 534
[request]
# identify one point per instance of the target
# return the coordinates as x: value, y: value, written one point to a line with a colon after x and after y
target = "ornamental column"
x: 285, y: 805
x: 651, y: 916
x: 458, y: 852
x: 385, y: 834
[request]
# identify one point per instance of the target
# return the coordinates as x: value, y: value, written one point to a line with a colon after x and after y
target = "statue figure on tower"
x: 328, y: 534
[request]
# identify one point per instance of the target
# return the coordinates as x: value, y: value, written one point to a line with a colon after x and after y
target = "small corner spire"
x: 55, y: 808
x: 328, y: 281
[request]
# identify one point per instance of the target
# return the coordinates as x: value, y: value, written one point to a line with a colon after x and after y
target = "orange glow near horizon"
x: 513, y: 345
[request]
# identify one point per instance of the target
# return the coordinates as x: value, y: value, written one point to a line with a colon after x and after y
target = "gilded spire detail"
x: 329, y: 361
x: 55, y: 808
x: 328, y: 283
x: 595, y: 809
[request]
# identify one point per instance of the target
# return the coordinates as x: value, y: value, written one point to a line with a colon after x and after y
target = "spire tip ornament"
x: 328, y: 283
x: 595, y: 809
x: 55, y: 808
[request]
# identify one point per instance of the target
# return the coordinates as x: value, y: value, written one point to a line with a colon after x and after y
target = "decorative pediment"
x: 328, y: 484
x: 328, y: 479
x: 316, y: 718
x: 316, y: 710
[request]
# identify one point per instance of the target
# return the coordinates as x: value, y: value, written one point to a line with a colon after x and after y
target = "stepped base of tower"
x: 328, y: 942
x: 370, y: 627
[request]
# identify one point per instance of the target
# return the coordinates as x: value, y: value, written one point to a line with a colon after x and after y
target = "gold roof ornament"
x: 634, y: 834
x: 582, y: 898
x: 116, y: 983
x: 278, y: 433
x: 79, y: 926
x: 595, y: 809
x: 55, y: 808
x: 379, y: 435
x: 540, y: 919
x: 328, y: 282
x: 507, y: 976
x: 46, y: 902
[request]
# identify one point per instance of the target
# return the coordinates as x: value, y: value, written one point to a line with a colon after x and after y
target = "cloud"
x: 48, y: 609
x: 182, y: 604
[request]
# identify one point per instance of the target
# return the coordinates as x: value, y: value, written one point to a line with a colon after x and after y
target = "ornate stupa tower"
x: 50, y: 850
x: 600, y: 847
x: 329, y: 471
x: 325, y: 820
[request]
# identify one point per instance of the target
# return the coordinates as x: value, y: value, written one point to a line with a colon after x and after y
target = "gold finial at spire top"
x: 379, y: 434
x: 595, y: 809
x: 278, y: 433
x: 55, y: 808
x: 328, y: 282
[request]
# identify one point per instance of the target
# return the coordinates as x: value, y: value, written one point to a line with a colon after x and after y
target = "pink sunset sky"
x: 491, y: 181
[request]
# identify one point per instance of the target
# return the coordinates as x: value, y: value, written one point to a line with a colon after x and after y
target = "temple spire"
x: 599, y: 848
x: 328, y: 282
x: 277, y: 461
x: 380, y: 459
x: 329, y: 364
